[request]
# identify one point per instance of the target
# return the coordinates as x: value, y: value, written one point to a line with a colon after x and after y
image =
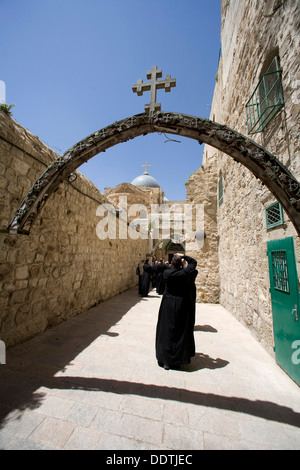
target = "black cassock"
x: 175, y: 342
x: 145, y: 281
x: 191, y: 295
x: 160, y: 281
x: 154, y: 274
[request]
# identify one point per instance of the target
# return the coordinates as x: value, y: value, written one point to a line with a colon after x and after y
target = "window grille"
x: 266, y: 101
x: 274, y: 215
x: 220, y: 190
x: 280, y: 271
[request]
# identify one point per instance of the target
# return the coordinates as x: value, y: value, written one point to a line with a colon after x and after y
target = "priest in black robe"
x: 191, y: 295
x: 175, y: 344
x: 146, y: 278
x: 154, y: 274
x: 160, y: 282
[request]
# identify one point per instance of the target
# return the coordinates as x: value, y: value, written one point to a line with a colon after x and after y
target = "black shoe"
x: 161, y: 364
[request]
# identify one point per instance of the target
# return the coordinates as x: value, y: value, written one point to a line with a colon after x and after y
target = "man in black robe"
x: 141, y: 264
x: 175, y: 344
x: 146, y: 278
x: 160, y: 282
x: 154, y: 274
x: 191, y: 304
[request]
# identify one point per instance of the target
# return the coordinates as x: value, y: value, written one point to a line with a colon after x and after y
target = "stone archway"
x: 169, y: 241
x: 265, y: 166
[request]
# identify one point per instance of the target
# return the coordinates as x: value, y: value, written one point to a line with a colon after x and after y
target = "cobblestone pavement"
x: 93, y: 383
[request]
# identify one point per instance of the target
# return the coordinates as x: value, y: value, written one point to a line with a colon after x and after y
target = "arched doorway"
x: 265, y: 166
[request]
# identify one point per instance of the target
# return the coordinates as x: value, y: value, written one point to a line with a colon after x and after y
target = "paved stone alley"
x: 93, y: 383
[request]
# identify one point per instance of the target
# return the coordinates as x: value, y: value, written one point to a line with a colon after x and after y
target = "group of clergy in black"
x: 175, y: 344
x: 151, y: 274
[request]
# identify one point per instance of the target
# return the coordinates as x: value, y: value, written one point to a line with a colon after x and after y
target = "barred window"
x: 274, y: 215
x: 280, y: 271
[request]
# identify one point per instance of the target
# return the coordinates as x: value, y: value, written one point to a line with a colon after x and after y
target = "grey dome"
x: 145, y: 180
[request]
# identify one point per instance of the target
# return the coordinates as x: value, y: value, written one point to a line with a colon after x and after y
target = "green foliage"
x: 7, y: 108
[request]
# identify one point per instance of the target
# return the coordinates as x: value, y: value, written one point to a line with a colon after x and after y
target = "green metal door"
x: 285, y: 305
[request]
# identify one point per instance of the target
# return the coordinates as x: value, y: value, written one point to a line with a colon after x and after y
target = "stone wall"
x: 252, y: 32
x: 201, y: 189
x: 62, y: 267
x: 263, y: 30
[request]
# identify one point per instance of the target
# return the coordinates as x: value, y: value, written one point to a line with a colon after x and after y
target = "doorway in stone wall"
x: 285, y: 305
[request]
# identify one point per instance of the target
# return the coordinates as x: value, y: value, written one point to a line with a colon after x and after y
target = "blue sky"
x: 69, y: 67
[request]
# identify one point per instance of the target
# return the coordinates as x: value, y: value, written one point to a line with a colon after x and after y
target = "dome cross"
x: 146, y: 168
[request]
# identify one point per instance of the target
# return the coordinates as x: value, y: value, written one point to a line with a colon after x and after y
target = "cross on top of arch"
x: 153, y: 85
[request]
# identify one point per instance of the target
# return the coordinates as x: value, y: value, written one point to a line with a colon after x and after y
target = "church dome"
x: 145, y: 180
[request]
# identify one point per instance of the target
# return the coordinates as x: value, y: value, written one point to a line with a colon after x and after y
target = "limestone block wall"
x: 62, y: 267
x: 252, y: 33
x: 201, y: 188
x: 263, y: 30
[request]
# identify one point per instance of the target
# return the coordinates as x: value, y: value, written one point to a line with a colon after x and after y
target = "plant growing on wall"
x: 7, y: 108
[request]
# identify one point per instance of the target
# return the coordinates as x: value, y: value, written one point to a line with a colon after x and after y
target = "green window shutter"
x: 266, y: 101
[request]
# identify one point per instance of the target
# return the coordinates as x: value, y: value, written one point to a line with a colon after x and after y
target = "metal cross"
x: 153, y: 85
x: 146, y: 172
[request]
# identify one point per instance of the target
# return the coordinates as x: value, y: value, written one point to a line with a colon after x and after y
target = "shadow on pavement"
x: 203, y: 361
x: 260, y: 408
x: 205, y: 328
